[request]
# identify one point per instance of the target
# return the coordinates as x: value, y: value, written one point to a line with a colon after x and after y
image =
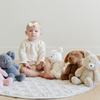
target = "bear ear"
x: 11, y: 54
x: 87, y: 53
x: 60, y: 50
x: 98, y: 56
x: 82, y: 52
x: 66, y: 58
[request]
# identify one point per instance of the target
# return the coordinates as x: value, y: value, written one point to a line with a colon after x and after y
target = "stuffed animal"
x: 75, y: 61
x: 3, y: 81
x: 88, y: 74
x: 55, y: 56
x: 11, y: 67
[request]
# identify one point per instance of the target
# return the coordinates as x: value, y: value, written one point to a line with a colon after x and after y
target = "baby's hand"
x: 27, y: 65
x: 39, y: 66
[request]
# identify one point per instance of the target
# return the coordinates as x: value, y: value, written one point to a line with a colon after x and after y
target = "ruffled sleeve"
x: 22, y: 52
x: 42, y: 52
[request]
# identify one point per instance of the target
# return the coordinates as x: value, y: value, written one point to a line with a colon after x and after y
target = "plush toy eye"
x: 89, y: 60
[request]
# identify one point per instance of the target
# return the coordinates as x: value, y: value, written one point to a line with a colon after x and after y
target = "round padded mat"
x: 40, y: 88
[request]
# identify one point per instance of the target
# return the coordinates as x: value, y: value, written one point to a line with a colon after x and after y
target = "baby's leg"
x: 47, y: 69
x: 30, y: 73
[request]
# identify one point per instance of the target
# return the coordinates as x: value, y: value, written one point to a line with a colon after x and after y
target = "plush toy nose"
x: 91, y: 65
x: 8, y: 64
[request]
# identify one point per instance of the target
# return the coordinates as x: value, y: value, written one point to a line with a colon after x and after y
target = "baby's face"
x: 33, y: 33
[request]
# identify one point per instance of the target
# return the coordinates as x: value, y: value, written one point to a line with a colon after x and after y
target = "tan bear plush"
x: 88, y: 74
x: 75, y: 61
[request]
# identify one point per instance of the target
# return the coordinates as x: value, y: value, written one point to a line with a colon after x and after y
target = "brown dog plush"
x: 75, y: 60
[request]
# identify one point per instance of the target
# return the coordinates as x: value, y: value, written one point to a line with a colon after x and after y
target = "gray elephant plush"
x: 11, y: 67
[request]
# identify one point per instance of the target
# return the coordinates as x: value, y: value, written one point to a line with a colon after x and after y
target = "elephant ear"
x: 87, y: 53
x: 11, y: 54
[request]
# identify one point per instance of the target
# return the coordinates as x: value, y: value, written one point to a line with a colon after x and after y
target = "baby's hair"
x: 33, y: 22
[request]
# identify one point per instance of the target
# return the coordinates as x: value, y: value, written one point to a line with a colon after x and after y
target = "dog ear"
x: 66, y: 58
x: 82, y: 52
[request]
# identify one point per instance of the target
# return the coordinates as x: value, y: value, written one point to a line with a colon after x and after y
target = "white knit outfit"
x: 32, y: 52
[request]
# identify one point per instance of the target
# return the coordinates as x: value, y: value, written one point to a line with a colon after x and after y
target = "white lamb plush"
x: 57, y: 63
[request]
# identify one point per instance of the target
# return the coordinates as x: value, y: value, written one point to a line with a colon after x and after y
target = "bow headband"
x: 35, y: 24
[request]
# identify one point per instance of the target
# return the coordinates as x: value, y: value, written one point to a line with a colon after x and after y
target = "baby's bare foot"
x: 48, y: 76
x: 41, y: 75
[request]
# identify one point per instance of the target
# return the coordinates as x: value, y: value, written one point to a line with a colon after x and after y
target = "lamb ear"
x: 87, y: 53
x: 11, y: 54
x: 66, y: 58
x: 60, y: 50
x: 98, y: 56
x: 82, y: 52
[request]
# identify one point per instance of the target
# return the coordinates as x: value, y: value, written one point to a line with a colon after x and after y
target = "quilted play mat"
x: 40, y: 88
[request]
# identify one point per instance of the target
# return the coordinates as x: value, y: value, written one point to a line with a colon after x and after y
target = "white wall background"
x: 72, y: 24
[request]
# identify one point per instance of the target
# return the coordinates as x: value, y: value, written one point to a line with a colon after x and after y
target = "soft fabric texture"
x: 88, y: 73
x: 10, y: 67
x: 55, y: 55
x: 32, y: 52
x: 57, y: 63
x: 40, y: 88
x: 4, y: 81
x: 74, y: 58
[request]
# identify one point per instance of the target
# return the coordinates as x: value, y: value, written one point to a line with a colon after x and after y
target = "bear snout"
x: 91, y: 65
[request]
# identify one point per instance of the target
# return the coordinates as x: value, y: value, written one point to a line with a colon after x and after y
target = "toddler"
x: 32, y: 53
